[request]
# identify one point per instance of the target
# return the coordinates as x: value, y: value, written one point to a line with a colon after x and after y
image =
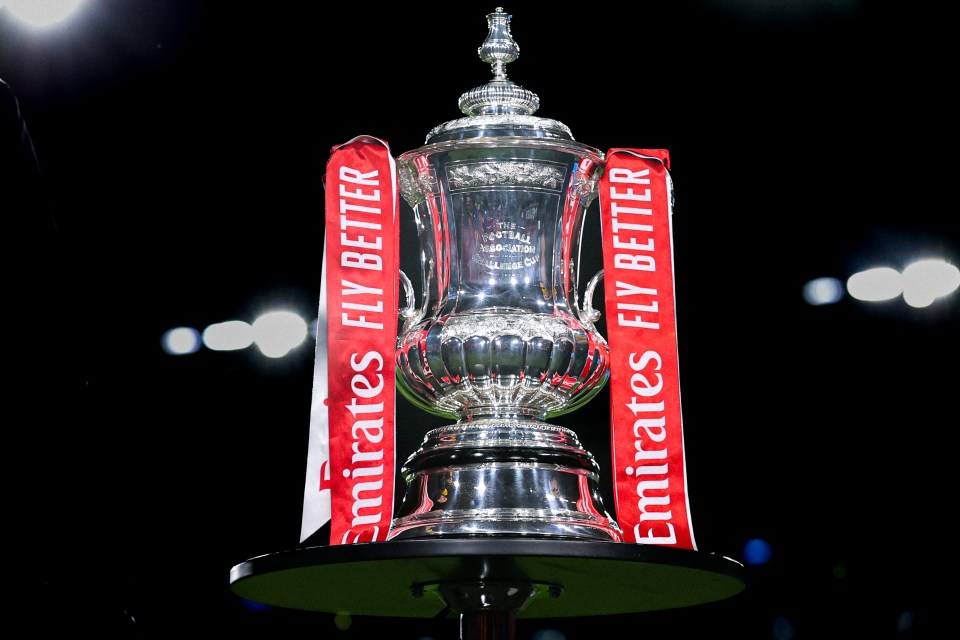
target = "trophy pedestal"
x: 488, y: 582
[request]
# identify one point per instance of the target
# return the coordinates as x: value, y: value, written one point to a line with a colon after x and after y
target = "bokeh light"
x: 254, y: 607
x: 905, y: 621
x: 783, y: 629
x: 921, y: 283
x: 757, y: 551
x: 342, y: 620
x: 823, y: 291
x: 228, y: 336
x: 277, y: 332
x: 180, y: 341
x: 875, y: 285
x: 926, y: 280
x: 548, y: 634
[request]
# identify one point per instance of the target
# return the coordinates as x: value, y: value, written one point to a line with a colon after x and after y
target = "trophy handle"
x: 409, y: 312
x: 589, y: 315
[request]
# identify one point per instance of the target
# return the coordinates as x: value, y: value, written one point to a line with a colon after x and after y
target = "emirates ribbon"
x: 650, y: 485
x: 351, y: 452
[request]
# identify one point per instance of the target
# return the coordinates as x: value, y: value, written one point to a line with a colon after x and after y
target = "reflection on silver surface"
x: 499, y: 341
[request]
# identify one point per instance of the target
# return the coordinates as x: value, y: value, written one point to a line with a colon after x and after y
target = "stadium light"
x: 41, y: 14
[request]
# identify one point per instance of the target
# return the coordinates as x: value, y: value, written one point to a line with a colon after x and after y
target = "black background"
x: 183, y: 146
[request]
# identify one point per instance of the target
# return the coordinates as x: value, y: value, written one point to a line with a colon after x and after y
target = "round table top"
x: 406, y: 578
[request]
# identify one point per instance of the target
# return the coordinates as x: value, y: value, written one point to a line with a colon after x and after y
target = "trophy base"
x: 501, y: 524
x: 503, y: 477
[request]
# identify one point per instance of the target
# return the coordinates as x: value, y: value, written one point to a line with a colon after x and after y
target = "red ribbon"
x: 646, y: 423
x: 362, y: 245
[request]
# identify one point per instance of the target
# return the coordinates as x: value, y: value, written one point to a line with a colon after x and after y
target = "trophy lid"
x: 501, y: 107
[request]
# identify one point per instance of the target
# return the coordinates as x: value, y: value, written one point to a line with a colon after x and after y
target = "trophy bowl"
x: 498, y: 340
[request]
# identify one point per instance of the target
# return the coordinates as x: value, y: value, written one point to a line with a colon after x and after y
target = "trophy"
x: 502, y: 516
x: 499, y: 341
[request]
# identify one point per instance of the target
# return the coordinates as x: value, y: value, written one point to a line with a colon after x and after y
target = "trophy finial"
x: 500, y: 95
x: 499, y: 48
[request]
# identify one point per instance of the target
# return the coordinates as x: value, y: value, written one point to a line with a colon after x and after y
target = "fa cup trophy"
x: 502, y: 515
x: 500, y: 341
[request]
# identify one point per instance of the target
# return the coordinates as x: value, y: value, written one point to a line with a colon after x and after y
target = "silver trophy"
x: 498, y: 340
x: 502, y: 516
